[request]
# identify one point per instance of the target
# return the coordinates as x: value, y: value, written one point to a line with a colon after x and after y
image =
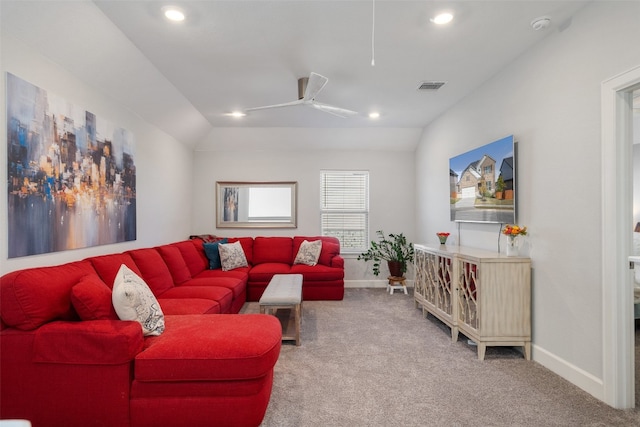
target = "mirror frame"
x: 222, y: 186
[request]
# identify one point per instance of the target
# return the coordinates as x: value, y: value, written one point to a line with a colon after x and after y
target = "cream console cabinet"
x: 483, y: 294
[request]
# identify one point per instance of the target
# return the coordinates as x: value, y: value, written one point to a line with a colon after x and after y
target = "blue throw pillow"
x: 212, y: 251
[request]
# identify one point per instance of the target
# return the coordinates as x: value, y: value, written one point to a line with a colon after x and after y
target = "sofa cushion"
x: 133, y: 300
x: 223, y: 296
x: 232, y: 256
x: 98, y: 342
x: 108, y: 266
x: 153, y: 269
x: 308, y: 253
x: 32, y: 297
x: 91, y: 298
x: 317, y: 272
x: 241, y: 274
x: 176, y: 263
x: 193, y: 255
x: 188, y: 306
x: 329, y: 251
x: 262, y: 273
x: 236, y: 285
x: 212, y: 251
x: 235, y: 346
x: 272, y: 249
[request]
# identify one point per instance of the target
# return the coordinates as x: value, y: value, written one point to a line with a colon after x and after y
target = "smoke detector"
x: 541, y: 23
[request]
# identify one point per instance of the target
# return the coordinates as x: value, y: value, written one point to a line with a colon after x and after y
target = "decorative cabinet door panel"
x: 468, y: 293
x: 439, y: 280
x: 420, y: 282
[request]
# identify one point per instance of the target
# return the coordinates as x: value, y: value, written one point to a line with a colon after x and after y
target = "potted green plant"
x: 394, y: 249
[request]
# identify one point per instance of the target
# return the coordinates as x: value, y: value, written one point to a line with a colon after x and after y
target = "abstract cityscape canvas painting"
x: 71, y: 174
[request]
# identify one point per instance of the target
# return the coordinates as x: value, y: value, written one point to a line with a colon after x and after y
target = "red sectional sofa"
x: 67, y: 360
x: 275, y: 255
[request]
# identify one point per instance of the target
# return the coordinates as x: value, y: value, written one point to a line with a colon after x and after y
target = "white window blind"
x: 344, y: 205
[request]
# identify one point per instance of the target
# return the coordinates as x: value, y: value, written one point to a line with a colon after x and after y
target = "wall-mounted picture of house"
x: 482, y: 183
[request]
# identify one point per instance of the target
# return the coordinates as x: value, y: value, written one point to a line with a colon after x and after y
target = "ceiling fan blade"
x: 314, y: 86
x: 336, y: 111
x: 286, y: 104
x: 311, y: 86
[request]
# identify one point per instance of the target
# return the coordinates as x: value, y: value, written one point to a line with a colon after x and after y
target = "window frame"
x: 363, y: 210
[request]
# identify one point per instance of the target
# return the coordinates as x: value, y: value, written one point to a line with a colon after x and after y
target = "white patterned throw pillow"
x: 309, y: 253
x: 232, y: 256
x: 133, y: 300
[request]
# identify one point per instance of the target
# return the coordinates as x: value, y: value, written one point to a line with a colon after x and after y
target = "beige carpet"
x: 373, y: 360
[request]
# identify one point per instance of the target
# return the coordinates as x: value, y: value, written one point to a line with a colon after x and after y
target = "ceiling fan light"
x: 236, y: 114
x: 442, y: 18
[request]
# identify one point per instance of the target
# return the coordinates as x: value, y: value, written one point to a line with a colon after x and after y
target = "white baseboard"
x: 579, y: 377
x: 371, y: 283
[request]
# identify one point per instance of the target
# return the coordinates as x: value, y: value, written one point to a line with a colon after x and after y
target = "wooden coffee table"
x: 283, y: 299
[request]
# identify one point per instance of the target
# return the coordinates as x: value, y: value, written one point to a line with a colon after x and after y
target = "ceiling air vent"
x: 430, y: 85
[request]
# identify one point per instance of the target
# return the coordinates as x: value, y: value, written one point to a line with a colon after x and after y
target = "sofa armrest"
x: 92, y: 342
x: 337, y: 261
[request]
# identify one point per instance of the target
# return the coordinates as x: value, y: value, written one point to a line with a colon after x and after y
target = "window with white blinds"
x: 344, y: 208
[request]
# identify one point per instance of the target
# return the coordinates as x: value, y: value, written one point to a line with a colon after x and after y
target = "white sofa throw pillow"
x: 232, y: 256
x: 133, y: 300
x: 309, y: 253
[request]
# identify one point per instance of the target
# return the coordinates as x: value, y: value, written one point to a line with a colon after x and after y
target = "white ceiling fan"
x: 308, y: 89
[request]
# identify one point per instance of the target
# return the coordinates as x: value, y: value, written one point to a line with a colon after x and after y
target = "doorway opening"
x: 617, y: 189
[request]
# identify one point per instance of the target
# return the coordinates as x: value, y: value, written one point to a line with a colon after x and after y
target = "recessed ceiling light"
x: 173, y: 13
x: 443, y: 18
x: 374, y: 115
x: 236, y: 114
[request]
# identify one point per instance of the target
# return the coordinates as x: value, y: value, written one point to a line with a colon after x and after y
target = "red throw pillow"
x: 91, y: 298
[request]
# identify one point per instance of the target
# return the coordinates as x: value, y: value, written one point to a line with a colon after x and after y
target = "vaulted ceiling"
x: 225, y: 56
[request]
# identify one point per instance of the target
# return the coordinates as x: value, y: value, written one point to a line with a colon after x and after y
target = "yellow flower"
x: 514, y: 230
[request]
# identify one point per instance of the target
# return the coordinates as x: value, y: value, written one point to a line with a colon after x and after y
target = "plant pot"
x: 395, y: 268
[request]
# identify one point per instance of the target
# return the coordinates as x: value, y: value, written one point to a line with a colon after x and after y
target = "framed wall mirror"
x: 256, y: 204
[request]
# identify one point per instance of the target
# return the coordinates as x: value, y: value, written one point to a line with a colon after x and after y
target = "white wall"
x: 636, y: 165
x: 549, y: 99
x: 163, y: 165
x: 391, y: 176
x: 636, y: 180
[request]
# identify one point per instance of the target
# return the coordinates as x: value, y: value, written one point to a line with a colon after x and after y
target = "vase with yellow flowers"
x: 513, y: 232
